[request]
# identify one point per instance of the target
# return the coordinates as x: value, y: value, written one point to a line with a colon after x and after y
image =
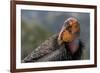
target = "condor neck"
x: 73, y: 46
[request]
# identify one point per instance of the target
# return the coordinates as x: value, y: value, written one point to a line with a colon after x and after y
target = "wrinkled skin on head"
x: 69, y: 31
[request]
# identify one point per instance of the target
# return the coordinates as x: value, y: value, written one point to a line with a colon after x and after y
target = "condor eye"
x: 69, y: 28
x: 76, y: 26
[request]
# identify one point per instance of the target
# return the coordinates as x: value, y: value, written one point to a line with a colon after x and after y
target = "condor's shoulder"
x: 45, y: 48
x: 49, y: 45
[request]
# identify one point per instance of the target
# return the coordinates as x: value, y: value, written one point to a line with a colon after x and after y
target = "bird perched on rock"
x: 65, y: 45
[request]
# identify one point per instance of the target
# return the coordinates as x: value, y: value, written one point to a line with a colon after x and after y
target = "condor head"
x: 70, y: 33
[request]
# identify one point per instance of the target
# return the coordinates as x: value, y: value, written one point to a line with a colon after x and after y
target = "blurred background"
x: 37, y: 26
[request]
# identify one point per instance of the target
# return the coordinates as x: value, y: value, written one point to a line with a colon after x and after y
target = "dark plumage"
x: 50, y: 50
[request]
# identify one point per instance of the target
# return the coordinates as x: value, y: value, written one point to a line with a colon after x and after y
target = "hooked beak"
x: 64, y: 36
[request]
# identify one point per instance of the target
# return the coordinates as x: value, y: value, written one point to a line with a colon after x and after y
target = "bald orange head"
x: 69, y: 31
